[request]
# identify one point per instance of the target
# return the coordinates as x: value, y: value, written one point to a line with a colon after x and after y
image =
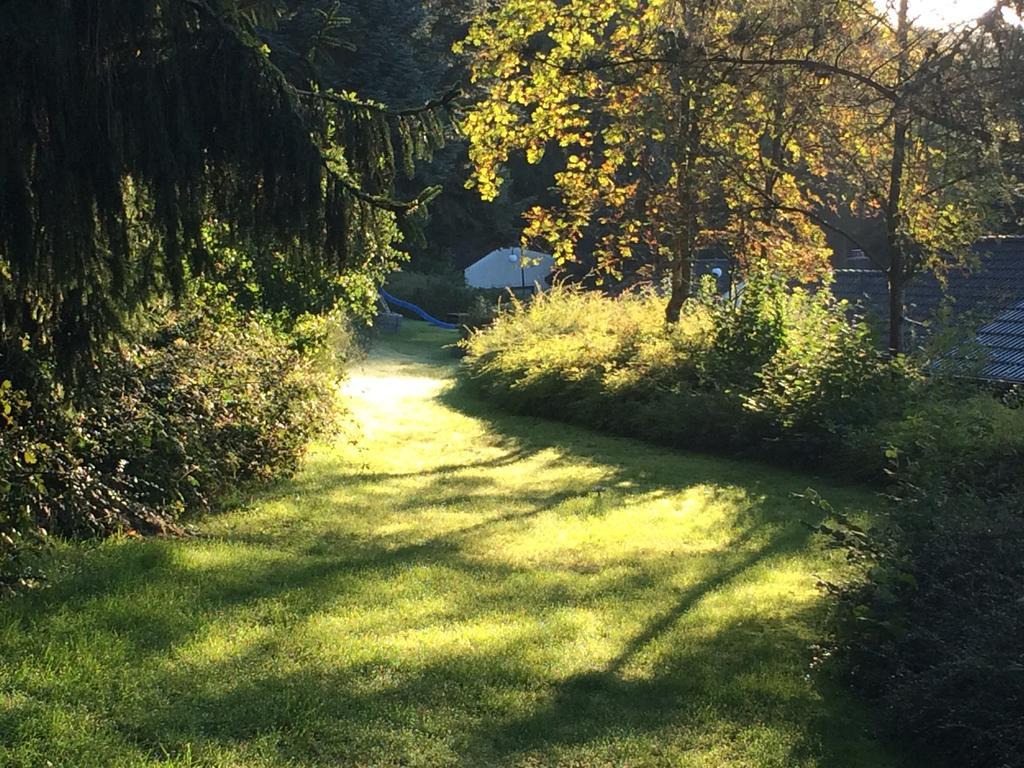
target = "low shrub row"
x: 199, y: 405
x: 440, y: 295
x: 781, y: 375
x: 931, y: 629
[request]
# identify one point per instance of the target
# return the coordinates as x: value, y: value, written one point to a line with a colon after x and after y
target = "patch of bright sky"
x: 944, y: 13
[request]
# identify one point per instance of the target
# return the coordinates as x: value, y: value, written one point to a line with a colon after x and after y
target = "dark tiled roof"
x: 993, y: 289
x: 1003, y: 339
x: 998, y: 278
x: 866, y: 288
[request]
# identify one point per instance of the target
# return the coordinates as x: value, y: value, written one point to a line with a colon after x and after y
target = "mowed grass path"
x: 450, y: 587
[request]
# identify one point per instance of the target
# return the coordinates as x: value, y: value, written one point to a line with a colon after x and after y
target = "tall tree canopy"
x: 132, y: 124
x: 914, y: 138
x: 669, y: 142
x: 748, y: 124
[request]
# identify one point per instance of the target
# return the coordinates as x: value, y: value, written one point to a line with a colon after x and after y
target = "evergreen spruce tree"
x: 131, y: 125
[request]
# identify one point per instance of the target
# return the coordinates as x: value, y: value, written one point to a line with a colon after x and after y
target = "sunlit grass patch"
x: 445, y: 585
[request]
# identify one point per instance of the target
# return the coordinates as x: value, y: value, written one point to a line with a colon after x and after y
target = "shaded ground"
x: 450, y: 587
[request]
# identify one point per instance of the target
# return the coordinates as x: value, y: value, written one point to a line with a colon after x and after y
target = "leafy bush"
x: 781, y: 373
x: 52, y: 483
x: 20, y: 481
x: 931, y: 633
x: 205, y: 407
x: 286, y: 285
x: 438, y: 294
x: 207, y: 402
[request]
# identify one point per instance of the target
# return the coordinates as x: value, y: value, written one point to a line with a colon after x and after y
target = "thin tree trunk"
x: 682, y: 277
x: 897, y: 313
x: 686, y: 153
x: 775, y: 128
x: 897, y: 275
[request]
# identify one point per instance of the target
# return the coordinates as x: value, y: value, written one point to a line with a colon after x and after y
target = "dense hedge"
x: 782, y: 375
x: 932, y: 630
x: 201, y: 404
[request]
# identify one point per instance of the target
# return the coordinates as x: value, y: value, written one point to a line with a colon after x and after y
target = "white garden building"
x: 513, y: 268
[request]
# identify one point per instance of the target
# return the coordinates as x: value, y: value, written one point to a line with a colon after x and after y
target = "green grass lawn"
x: 446, y: 586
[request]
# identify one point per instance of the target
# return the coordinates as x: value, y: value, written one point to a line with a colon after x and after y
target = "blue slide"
x: 417, y: 311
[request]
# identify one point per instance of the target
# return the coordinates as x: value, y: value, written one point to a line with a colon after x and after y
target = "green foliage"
x: 206, y: 407
x: 930, y: 631
x: 826, y: 375
x: 289, y: 285
x: 785, y: 374
x: 782, y: 373
x: 53, y: 482
x: 481, y: 313
x: 748, y: 333
x: 438, y: 294
x: 392, y: 57
x: 207, y: 402
x: 141, y: 124
x: 20, y: 482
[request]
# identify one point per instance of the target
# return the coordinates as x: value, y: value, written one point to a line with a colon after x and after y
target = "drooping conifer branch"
x: 131, y: 123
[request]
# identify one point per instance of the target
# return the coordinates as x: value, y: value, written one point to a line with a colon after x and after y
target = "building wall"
x: 496, y: 270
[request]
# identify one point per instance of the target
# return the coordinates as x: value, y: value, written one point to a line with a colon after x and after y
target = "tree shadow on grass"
x: 103, y: 584
x: 325, y: 482
x: 667, y: 466
x: 347, y: 714
x: 512, y: 697
x: 453, y: 706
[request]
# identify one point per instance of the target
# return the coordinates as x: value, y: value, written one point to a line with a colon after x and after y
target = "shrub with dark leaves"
x: 204, y: 404
x: 932, y: 632
x: 439, y: 294
x: 203, y: 408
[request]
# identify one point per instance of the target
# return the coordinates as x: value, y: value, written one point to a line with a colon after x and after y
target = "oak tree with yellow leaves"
x: 746, y: 125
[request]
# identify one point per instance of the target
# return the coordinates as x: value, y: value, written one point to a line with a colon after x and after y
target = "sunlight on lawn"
x: 446, y: 586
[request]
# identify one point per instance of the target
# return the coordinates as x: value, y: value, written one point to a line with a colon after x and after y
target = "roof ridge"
x: 1001, y: 239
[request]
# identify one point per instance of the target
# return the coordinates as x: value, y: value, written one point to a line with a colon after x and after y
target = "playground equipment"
x: 388, y: 299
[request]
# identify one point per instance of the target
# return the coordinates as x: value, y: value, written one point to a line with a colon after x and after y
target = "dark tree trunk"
x: 687, y: 149
x: 681, y: 279
x: 776, y: 145
x: 897, y: 313
x: 897, y: 276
